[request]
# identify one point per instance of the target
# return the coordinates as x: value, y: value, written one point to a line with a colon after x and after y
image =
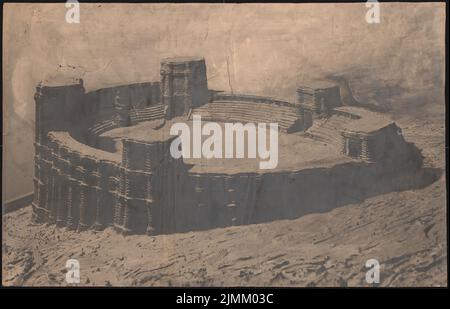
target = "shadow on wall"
x: 290, y: 195
x: 148, y: 192
x: 364, y: 183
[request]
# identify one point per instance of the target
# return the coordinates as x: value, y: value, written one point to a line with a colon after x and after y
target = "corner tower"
x: 184, y: 85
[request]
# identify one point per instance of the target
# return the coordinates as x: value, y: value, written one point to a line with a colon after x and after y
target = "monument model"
x: 102, y: 158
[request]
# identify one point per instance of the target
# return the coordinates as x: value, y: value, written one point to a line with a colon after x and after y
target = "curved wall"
x: 142, y: 189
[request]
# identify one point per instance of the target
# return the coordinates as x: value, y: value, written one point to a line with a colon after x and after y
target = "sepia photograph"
x: 224, y: 145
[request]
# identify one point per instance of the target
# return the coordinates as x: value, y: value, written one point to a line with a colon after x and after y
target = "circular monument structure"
x: 102, y: 158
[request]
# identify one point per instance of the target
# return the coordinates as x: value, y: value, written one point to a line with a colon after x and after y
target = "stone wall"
x: 206, y: 201
x: 385, y: 146
x: 81, y: 187
x: 184, y: 85
x: 74, y: 184
x: 134, y: 96
x: 320, y: 100
x: 143, y: 189
x: 108, y: 108
x: 58, y: 108
x: 147, y: 175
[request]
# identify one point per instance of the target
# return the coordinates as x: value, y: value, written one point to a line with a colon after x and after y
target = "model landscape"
x: 121, y: 177
x: 359, y: 176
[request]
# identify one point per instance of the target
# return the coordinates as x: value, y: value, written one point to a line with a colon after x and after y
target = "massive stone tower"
x: 183, y: 85
x: 317, y: 98
x: 58, y: 106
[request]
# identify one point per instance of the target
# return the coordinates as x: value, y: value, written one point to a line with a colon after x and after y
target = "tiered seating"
x: 146, y: 114
x: 136, y: 116
x: 328, y: 130
x: 102, y: 127
x: 239, y: 111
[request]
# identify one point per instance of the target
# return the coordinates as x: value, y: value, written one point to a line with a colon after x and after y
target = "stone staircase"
x: 287, y: 117
x: 102, y: 127
x: 147, y: 114
x: 136, y: 116
x: 328, y: 130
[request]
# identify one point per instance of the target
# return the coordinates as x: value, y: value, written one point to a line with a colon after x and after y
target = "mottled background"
x: 270, y: 49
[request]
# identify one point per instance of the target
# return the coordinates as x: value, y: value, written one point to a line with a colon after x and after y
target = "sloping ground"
x: 404, y: 231
x: 328, y: 130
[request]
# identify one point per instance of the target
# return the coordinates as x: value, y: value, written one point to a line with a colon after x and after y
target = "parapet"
x: 319, y: 96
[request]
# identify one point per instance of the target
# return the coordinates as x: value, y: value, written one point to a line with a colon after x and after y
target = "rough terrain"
x: 405, y: 231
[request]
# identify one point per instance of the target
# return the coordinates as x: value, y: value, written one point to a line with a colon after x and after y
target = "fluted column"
x: 82, y: 225
x: 73, y: 204
x: 53, y: 195
x: 69, y: 201
x: 150, y: 206
x: 365, y: 155
x: 344, y: 145
x: 98, y: 224
x: 61, y: 215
